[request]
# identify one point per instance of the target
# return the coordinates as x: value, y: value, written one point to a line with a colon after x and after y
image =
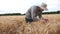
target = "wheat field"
x: 17, y: 25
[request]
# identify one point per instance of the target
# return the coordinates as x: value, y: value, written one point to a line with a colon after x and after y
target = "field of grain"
x: 17, y: 25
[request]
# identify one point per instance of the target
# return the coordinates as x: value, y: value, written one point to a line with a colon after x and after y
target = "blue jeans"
x: 28, y: 20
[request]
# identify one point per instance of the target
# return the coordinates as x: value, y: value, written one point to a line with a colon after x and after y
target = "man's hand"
x: 44, y: 20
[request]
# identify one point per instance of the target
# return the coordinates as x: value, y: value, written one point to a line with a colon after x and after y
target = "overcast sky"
x: 21, y: 6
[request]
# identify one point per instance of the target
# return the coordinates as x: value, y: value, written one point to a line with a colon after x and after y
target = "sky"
x: 21, y: 6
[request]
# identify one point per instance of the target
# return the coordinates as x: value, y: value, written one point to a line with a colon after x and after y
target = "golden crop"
x: 17, y: 25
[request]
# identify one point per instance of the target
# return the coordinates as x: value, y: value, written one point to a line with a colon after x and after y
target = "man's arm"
x: 40, y: 14
x: 33, y: 13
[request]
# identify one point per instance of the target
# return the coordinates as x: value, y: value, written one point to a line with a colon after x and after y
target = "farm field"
x: 17, y: 25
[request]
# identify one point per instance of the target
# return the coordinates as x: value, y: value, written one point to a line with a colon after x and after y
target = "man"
x: 34, y: 11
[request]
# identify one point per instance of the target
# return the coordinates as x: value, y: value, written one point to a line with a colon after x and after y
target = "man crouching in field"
x: 34, y: 11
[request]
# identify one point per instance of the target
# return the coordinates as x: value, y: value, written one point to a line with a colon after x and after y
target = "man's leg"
x: 28, y: 20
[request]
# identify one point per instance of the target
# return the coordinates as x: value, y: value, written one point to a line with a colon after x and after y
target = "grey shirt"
x: 33, y: 12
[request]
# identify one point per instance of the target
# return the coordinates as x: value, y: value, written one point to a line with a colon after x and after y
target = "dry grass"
x: 17, y: 25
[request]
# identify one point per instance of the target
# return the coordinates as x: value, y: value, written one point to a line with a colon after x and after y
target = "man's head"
x: 44, y: 6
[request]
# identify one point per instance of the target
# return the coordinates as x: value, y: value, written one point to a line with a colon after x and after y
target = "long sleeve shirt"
x: 33, y: 12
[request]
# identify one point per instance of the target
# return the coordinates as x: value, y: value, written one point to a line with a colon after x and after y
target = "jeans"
x: 28, y: 20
